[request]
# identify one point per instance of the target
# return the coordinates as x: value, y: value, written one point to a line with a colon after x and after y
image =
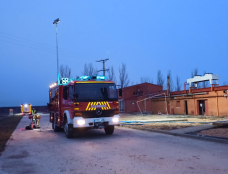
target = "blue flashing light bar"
x: 101, y: 78
x: 65, y: 81
x: 84, y: 77
x: 92, y: 78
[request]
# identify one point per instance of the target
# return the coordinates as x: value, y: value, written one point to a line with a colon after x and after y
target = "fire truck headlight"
x: 115, y: 120
x: 80, y: 122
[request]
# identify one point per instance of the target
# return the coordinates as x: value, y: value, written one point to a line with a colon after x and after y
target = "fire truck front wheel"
x: 109, y: 129
x: 68, y: 129
x: 56, y: 128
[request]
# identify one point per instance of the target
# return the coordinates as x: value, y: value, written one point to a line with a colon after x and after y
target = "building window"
x: 135, y: 93
x: 178, y: 104
x: 121, y: 105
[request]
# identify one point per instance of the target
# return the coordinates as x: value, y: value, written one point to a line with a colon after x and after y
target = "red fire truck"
x: 88, y: 102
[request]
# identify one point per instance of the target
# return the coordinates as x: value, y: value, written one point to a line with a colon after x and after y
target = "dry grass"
x: 166, y: 125
x: 7, y: 126
x: 163, y: 126
x: 218, y: 132
x: 130, y: 117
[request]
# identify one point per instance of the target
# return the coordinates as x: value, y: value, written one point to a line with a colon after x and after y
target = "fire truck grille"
x: 93, y: 114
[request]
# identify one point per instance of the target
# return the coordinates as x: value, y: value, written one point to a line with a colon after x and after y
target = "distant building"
x: 152, y: 98
x: 132, y: 94
x: 211, y: 101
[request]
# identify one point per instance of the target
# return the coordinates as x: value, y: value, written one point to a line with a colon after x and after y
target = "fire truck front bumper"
x: 96, y: 123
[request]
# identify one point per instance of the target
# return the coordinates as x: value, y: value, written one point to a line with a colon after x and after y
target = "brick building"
x: 132, y: 94
x: 211, y: 101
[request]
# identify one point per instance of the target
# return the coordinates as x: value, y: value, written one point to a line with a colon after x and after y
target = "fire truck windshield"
x: 95, y: 92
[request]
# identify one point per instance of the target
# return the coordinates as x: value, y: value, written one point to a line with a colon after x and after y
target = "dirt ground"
x: 217, y: 132
x: 7, y: 126
x: 165, y: 125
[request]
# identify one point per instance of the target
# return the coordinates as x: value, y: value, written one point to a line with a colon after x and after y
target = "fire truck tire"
x: 56, y: 128
x: 109, y: 129
x: 69, y: 130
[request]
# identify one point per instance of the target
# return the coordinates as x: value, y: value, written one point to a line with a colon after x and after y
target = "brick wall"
x: 143, y: 90
x: 215, y: 103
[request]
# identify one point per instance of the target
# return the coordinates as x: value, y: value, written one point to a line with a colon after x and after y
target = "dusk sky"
x: 146, y: 35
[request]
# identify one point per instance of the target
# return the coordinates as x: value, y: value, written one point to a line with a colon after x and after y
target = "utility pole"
x: 103, y: 61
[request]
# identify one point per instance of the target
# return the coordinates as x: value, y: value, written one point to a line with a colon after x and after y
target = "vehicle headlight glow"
x: 115, y: 119
x: 81, y: 122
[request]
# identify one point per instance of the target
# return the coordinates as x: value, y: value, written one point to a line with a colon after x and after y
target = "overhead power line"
x: 28, y: 43
x: 46, y: 50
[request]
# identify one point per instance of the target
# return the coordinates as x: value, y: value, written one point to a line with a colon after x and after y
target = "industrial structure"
x: 210, y: 101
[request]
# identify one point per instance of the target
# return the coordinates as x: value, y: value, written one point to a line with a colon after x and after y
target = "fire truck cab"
x: 88, y: 102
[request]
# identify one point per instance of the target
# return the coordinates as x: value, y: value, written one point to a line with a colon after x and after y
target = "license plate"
x: 99, y: 120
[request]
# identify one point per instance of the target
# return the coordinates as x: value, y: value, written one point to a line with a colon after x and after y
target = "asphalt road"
x: 126, y: 151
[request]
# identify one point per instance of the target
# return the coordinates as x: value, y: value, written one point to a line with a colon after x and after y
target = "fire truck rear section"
x: 85, y: 103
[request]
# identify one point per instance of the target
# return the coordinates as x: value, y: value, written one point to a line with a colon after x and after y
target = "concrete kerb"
x: 182, y: 135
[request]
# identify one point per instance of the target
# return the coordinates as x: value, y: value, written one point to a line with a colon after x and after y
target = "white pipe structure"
x: 149, y: 98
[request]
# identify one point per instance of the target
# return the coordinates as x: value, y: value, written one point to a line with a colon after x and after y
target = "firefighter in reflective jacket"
x: 35, y: 117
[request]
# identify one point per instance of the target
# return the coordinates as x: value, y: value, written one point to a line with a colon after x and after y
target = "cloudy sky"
x: 146, y: 35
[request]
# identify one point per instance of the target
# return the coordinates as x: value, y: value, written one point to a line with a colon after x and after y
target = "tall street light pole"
x: 55, y: 23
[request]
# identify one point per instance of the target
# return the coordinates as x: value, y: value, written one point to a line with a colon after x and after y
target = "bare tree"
x: 111, y: 74
x: 89, y: 70
x: 225, y: 83
x: 146, y: 80
x: 160, y: 79
x: 123, y: 76
x: 65, y: 71
x: 178, y: 84
x: 194, y: 73
x: 171, y: 87
x: 86, y: 70
x: 92, y: 70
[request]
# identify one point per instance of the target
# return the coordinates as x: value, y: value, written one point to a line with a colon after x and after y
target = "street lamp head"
x: 56, y: 21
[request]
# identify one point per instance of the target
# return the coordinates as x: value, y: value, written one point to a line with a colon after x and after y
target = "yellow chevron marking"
x: 103, y: 107
x: 100, y: 104
x: 87, y: 106
x: 108, y: 105
x: 93, y: 104
x: 96, y: 105
x: 90, y: 107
